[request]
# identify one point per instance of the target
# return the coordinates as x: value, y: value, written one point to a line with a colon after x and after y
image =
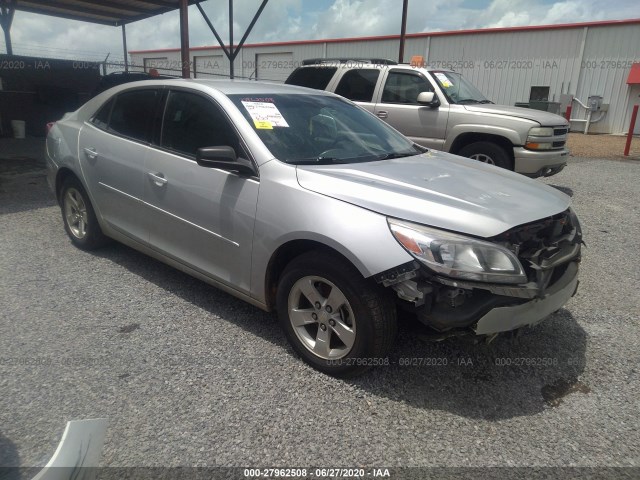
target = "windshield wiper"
x: 317, y: 161
x: 485, y: 101
x: 469, y: 100
x: 389, y: 156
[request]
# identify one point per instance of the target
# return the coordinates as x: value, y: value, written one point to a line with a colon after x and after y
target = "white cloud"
x: 294, y: 20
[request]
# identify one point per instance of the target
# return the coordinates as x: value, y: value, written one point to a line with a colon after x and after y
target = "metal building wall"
x: 505, y: 65
x: 376, y: 49
x: 608, y: 55
x: 583, y: 61
x: 248, y: 63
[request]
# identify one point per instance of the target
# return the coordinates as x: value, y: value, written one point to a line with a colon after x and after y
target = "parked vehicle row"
x: 299, y: 201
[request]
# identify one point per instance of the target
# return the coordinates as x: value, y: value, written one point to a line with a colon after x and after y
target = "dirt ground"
x: 602, y: 146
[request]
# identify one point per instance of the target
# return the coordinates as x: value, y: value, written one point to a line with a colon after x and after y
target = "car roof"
x: 360, y: 64
x: 227, y: 86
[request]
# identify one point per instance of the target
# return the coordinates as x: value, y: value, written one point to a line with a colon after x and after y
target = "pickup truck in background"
x: 441, y: 110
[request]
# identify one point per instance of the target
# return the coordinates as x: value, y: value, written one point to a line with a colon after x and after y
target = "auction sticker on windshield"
x: 265, y: 115
x: 446, y: 83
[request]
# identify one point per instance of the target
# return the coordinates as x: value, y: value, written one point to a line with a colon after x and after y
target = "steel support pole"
x: 7, y: 10
x: 250, y: 27
x: 213, y: 30
x: 184, y: 39
x: 124, y: 48
x: 403, y: 30
x: 632, y: 127
x: 231, y: 50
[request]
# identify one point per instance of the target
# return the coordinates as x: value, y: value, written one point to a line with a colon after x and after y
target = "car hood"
x: 543, y: 118
x: 440, y: 190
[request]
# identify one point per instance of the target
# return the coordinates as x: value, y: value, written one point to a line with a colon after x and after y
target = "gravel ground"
x: 602, y: 146
x: 189, y: 376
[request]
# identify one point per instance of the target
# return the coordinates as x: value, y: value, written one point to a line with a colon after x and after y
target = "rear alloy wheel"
x: 487, y: 152
x: 335, y: 320
x: 78, y: 216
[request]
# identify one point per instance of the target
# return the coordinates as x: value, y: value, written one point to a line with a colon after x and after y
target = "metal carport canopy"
x: 106, y: 12
x: 115, y: 13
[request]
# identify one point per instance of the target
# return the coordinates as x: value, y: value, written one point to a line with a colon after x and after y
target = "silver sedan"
x: 299, y: 201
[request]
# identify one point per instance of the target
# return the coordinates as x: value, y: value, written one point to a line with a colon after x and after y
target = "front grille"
x: 558, y: 144
x: 557, y: 132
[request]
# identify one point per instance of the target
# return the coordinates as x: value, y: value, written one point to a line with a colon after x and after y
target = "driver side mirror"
x: 428, y: 99
x: 224, y: 158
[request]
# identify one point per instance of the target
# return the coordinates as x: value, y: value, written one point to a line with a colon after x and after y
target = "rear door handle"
x: 91, y: 153
x: 158, y: 179
x: 382, y: 114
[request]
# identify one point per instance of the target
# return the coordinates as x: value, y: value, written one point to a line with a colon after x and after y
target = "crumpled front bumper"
x: 504, y: 319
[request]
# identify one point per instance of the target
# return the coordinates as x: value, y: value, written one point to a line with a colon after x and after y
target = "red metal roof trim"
x: 634, y: 74
x: 604, y: 23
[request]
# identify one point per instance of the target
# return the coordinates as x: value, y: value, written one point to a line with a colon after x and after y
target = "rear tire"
x: 79, y: 218
x: 337, y: 321
x: 488, y: 152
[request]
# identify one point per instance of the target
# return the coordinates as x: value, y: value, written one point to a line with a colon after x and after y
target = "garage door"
x: 274, y: 66
x: 210, y: 66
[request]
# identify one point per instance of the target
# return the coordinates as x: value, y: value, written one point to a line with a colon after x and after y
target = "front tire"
x: 79, y: 218
x: 488, y: 152
x: 337, y: 321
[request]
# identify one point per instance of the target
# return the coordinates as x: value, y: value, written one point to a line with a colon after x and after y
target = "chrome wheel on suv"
x: 483, y: 158
x: 487, y: 152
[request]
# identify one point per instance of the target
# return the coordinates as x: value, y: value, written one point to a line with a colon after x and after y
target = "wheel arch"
x: 468, y: 138
x: 287, y: 252
x: 61, y: 176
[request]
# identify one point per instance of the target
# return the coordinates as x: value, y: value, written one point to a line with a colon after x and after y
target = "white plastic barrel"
x: 18, y: 127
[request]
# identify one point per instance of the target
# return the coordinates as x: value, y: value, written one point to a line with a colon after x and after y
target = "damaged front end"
x: 487, y: 286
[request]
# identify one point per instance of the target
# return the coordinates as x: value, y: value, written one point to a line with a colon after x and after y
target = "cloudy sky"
x: 302, y: 19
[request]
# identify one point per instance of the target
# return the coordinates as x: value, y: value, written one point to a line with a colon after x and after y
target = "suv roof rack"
x: 377, y: 61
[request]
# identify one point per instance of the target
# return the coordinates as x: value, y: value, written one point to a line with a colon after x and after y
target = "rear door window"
x: 402, y: 87
x: 133, y: 113
x: 358, y: 85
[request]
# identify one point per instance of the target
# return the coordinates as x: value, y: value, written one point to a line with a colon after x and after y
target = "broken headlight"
x: 458, y: 256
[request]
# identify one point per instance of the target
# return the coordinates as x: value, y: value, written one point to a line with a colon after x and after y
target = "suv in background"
x: 440, y: 109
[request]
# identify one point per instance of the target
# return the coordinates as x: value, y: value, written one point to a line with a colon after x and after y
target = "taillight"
x: 50, y: 126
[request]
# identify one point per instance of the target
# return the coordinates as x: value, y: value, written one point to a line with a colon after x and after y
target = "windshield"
x: 458, y: 89
x: 319, y: 129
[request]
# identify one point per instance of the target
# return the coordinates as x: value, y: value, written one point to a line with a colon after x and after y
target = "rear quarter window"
x: 101, y: 120
x: 317, y: 77
x: 133, y: 113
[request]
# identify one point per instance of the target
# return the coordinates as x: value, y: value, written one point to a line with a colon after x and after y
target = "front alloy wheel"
x: 338, y: 322
x: 322, y: 317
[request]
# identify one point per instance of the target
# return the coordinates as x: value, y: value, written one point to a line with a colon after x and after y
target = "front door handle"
x: 91, y: 153
x: 158, y: 179
x: 382, y: 113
